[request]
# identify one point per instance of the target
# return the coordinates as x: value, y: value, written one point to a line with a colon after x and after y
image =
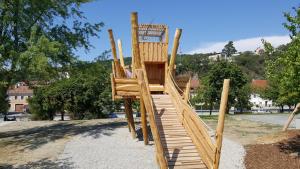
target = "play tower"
x: 181, y: 138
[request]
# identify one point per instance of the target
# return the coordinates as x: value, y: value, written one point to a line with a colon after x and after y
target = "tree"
x: 49, y: 18
x: 251, y: 64
x: 213, y: 83
x: 228, y: 50
x: 86, y: 94
x: 283, y: 65
x: 37, y: 38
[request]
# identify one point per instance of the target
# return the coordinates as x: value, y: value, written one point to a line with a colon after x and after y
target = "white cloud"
x: 249, y: 44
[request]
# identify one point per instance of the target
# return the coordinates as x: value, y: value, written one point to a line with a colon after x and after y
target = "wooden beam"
x: 121, y: 53
x: 113, y: 92
x: 174, y: 50
x: 167, y: 35
x: 119, y: 71
x: 187, y: 90
x: 144, y: 121
x: 220, y: 126
x: 291, y: 117
x: 129, y: 114
x: 112, y: 44
x: 135, y: 41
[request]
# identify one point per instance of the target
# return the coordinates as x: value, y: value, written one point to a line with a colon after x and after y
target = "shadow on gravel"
x: 33, y: 138
x: 44, y: 163
x: 139, y: 133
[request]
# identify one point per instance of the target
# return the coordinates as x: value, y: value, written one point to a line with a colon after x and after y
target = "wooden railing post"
x: 220, y: 126
x: 144, y: 121
x: 174, y: 50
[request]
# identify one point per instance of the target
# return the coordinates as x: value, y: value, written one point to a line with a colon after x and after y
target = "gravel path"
x: 115, y: 149
x: 279, y: 119
x: 232, y: 155
x: 112, y: 149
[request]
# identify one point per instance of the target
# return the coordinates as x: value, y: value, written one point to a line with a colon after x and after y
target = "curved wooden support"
x: 174, y: 50
x: 291, y: 117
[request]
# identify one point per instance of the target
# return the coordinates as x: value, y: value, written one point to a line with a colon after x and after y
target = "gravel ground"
x: 114, y: 149
x: 279, y: 119
x: 232, y: 155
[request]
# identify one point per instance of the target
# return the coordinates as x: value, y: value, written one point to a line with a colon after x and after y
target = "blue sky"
x: 207, y: 25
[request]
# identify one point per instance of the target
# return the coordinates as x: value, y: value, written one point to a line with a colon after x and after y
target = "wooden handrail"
x: 190, y: 120
x: 146, y: 96
x: 209, y: 151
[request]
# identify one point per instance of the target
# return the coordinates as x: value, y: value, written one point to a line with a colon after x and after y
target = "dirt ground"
x: 243, y: 131
x: 284, y: 154
x: 27, y: 144
x: 267, y: 147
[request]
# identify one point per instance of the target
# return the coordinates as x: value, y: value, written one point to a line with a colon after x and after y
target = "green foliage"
x: 86, y: 94
x: 251, y: 64
x: 197, y: 64
x: 27, y: 26
x: 229, y: 49
x: 283, y: 66
x: 3, y: 99
x: 210, y: 92
x: 37, y: 38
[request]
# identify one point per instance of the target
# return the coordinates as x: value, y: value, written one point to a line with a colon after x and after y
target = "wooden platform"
x: 178, y: 146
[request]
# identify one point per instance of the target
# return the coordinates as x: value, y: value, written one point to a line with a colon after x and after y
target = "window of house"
x: 254, y: 95
x: 22, y: 97
x: 16, y: 97
x: 266, y: 103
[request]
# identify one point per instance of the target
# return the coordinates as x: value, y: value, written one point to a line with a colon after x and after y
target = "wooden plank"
x: 126, y: 81
x: 125, y: 93
x: 128, y: 87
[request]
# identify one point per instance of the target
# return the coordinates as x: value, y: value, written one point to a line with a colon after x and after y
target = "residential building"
x: 260, y: 104
x: 18, y: 97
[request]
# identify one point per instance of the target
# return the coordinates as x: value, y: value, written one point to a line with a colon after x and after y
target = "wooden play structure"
x: 181, y: 138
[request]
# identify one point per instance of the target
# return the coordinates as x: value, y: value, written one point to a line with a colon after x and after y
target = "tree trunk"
x: 210, y: 108
x: 281, y: 108
x: 62, y: 116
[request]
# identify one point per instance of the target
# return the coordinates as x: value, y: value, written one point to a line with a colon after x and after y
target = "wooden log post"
x: 174, y: 50
x: 291, y: 117
x: 129, y: 114
x: 144, y: 121
x: 121, y: 53
x: 135, y: 41
x: 220, y: 126
x: 119, y: 71
x: 187, y: 90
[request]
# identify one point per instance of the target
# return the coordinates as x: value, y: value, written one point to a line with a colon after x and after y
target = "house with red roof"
x: 18, y: 97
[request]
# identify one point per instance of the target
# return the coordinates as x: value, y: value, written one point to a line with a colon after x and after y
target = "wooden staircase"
x: 178, y: 147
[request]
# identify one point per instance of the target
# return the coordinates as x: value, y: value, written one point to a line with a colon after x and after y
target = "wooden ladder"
x: 178, y: 147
